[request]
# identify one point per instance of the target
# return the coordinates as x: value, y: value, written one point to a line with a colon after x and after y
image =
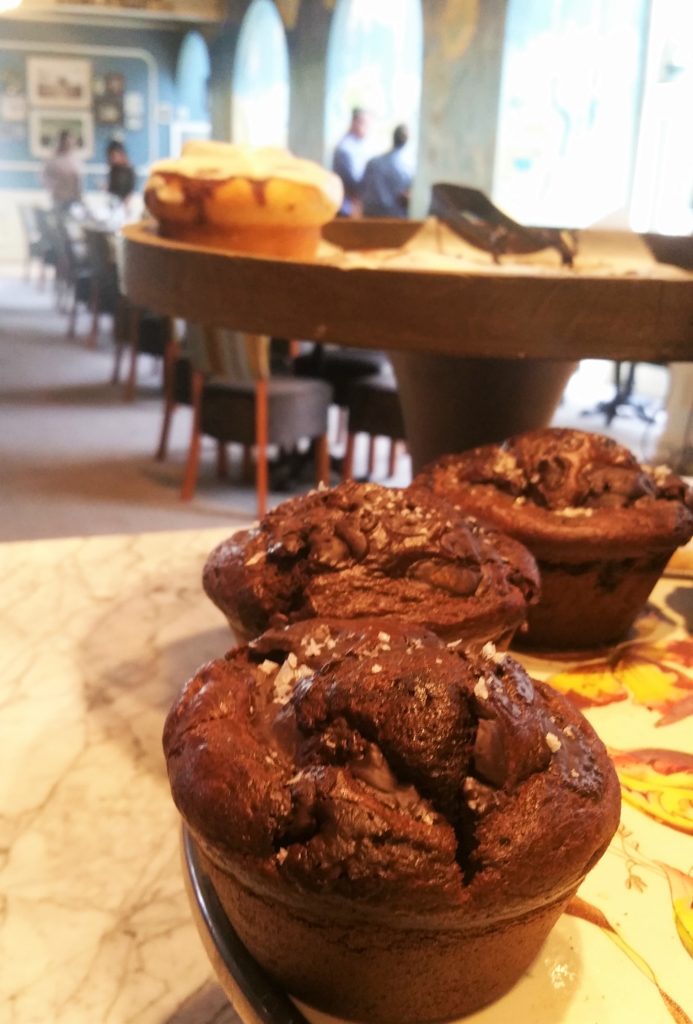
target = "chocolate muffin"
x: 392, y: 825
x: 360, y: 550
x: 601, y: 526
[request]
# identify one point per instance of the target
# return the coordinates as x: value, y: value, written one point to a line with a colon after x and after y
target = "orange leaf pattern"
x: 658, y: 676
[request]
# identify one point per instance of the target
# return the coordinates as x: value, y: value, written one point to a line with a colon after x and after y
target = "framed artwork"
x: 114, y: 84
x: 59, y: 82
x: 109, y: 110
x: 46, y: 125
x: 109, y: 97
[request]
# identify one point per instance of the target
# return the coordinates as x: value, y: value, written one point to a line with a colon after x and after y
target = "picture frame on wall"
x: 45, y: 127
x: 109, y: 98
x: 61, y: 82
x: 109, y: 110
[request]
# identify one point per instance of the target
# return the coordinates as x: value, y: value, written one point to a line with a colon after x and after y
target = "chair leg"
x: 72, y: 323
x: 58, y: 284
x: 93, y: 336
x: 193, y: 461
x: 322, y: 460
x: 134, y: 334
x: 169, y: 397
x: 348, y: 463
x: 371, y: 456
x: 222, y: 461
x: 393, y: 457
x: 261, y: 469
x: 117, y: 360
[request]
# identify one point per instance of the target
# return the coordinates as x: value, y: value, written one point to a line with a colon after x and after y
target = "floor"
x: 77, y: 459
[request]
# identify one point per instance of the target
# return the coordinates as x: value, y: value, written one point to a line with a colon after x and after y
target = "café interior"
x: 548, y: 110
x: 560, y: 127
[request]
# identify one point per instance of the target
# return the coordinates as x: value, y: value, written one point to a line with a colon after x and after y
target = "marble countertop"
x: 96, y: 636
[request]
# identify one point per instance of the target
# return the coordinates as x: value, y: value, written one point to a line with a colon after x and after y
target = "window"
x: 663, y: 187
x: 261, y: 79
x: 374, y: 60
x: 568, y: 113
x: 192, y: 92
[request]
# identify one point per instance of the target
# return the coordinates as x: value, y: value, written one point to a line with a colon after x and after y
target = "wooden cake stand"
x: 479, y: 354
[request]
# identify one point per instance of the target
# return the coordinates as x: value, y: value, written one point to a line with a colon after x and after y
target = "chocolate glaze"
x: 363, y: 550
x: 369, y: 761
x: 558, y: 490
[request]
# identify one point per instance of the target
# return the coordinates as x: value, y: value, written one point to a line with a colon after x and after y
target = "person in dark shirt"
x: 121, y: 173
x: 387, y: 180
x: 349, y: 161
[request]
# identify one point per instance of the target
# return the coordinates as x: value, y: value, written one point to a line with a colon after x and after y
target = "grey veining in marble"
x: 97, y: 635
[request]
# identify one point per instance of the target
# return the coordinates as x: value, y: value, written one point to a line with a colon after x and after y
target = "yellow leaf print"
x: 658, y: 676
x: 655, y: 678
x: 590, y: 684
x: 659, y: 783
x: 681, y: 887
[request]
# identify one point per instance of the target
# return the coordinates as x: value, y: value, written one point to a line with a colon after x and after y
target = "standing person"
x: 387, y: 180
x: 121, y: 173
x: 349, y: 162
x: 63, y: 173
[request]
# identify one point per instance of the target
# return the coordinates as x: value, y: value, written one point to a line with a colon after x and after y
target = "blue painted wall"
x: 145, y: 57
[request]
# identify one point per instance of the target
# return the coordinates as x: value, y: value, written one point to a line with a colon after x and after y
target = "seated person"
x: 121, y: 173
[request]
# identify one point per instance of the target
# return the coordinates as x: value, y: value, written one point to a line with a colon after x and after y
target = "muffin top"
x: 371, y: 762
x: 558, y: 489
x: 359, y: 550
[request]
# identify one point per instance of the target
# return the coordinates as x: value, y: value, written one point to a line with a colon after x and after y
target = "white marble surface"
x: 96, y: 635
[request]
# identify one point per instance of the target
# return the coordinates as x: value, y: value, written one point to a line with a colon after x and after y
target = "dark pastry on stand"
x: 360, y: 550
x: 601, y: 526
x: 392, y: 825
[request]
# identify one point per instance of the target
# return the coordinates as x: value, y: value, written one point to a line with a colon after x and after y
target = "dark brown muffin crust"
x: 558, y: 489
x: 360, y: 550
x: 371, y: 766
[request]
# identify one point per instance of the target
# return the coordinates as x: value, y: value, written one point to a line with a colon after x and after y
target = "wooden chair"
x: 374, y: 408
x: 103, y: 294
x: 64, y: 256
x: 235, y: 399
x: 177, y: 385
x: 339, y: 366
x: 43, y: 220
x: 142, y: 333
x: 134, y: 329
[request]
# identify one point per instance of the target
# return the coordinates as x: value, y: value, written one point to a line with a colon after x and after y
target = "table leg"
x: 452, y: 403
